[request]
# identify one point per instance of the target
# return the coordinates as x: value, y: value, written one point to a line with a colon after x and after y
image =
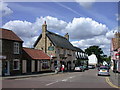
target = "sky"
x: 87, y: 23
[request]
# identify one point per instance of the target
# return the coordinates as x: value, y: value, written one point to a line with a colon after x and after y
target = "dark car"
x: 85, y: 67
x: 91, y: 66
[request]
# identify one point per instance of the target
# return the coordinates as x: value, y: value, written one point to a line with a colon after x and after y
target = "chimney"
x: 44, y: 27
x: 117, y: 35
x: 66, y: 36
x: 44, y: 38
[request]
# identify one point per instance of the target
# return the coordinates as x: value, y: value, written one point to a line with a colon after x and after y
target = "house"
x: 92, y: 60
x: 57, y: 47
x: 34, y: 60
x: 115, y: 52
x: 10, y: 53
x: 81, y: 56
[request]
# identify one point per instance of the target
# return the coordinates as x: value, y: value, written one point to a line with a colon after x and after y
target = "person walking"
x: 62, y: 68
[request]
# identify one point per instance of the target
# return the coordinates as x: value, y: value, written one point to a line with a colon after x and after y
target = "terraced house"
x: 57, y: 47
x: 16, y: 59
x: 11, y: 52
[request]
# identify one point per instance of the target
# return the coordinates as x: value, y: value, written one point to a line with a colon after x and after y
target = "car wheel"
x: 98, y: 74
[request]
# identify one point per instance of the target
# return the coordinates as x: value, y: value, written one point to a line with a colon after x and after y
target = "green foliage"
x: 96, y: 50
x: 107, y: 59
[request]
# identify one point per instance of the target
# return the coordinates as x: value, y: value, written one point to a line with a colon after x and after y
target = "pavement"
x: 32, y: 75
x: 114, y: 78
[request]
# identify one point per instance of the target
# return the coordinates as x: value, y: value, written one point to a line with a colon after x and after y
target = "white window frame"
x: 16, y: 48
x: 18, y: 67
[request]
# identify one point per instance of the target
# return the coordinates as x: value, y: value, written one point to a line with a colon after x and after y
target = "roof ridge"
x: 5, y: 29
x: 32, y: 48
x: 56, y: 34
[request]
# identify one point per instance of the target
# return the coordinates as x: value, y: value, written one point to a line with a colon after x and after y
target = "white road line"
x: 51, y: 83
x: 64, y: 80
x: 72, y: 77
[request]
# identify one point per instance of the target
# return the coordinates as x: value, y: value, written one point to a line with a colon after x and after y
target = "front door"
x: 7, y: 68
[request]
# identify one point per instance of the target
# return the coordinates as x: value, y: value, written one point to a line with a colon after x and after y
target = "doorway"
x: 7, y: 68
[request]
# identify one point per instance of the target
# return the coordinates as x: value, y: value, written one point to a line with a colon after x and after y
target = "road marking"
x: 72, y: 77
x: 51, y: 83
x: 112, y: 85
x: 64, y: 80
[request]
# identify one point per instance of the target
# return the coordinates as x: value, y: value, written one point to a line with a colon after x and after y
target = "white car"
x: 103, y: 70
x: 79, y: 68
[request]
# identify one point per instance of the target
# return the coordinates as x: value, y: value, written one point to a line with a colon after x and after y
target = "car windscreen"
x: 104, y: 68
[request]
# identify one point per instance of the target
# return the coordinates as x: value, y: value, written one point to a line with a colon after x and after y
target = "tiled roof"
x: 36, y: 54
x: 78, y: 49
x: 57, y: 40
x: 9, y: 35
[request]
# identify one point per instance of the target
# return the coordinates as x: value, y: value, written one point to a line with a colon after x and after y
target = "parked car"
x: 79, y: 68
x: 91, y: 66
x: 103, y: 70
x: 85, y: 67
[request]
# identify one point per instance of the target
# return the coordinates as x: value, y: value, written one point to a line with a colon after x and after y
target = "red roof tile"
x: 36, y: 54
x: 9, y: 35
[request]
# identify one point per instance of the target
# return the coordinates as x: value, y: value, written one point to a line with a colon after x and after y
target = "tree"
x: 97, y: 51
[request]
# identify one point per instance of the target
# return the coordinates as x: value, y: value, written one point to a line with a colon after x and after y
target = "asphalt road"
x: 87, y: 79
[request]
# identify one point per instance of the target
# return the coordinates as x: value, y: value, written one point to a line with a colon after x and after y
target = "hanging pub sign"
x: 51, y: 48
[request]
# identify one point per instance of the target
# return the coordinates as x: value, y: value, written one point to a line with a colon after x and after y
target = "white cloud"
x: 87, y: 31
x: 53, y: 23
x: 117, y: 17
x: 27, y: 30
x: 100, y: 41
x: 86, y: 4
x: 82, y: 27
x: 4, y: 9
x: 111, y: 33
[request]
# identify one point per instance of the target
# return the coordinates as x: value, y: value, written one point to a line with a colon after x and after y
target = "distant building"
x: 57, y: 47
x: 10, y: 53
x: 92, y: 60
x: 81, y: 56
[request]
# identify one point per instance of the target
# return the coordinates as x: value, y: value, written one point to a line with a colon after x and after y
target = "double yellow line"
x: 112, y: 85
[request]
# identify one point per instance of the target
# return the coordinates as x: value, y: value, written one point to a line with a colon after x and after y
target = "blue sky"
x: 103, y: 12
x: 90, y: 23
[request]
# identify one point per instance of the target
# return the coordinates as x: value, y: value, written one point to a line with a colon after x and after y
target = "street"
x: 87, y: 79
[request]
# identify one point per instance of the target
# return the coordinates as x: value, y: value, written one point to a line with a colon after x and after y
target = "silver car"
x: 103, y: 70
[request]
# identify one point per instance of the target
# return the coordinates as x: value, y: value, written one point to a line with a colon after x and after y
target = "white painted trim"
x: 16, y: 45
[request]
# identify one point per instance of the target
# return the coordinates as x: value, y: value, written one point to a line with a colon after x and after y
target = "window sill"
x: 16, y: 69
